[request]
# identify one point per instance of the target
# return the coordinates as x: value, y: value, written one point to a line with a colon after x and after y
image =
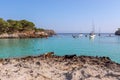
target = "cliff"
x: 28, y: 34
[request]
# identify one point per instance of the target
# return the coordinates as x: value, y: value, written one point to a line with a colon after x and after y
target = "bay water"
x: 62, y: 44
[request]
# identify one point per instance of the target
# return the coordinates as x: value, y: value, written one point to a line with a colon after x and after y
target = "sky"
x: 68, y: 16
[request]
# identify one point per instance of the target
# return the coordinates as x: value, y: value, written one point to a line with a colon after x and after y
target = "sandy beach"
x: 59, y: 68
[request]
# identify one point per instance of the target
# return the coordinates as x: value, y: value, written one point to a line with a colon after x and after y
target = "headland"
x: 22, y: 29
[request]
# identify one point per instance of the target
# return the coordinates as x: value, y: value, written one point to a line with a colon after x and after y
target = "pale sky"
x: 65, y: 15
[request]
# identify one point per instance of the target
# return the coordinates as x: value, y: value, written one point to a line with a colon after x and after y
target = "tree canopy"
x: 10, y: 26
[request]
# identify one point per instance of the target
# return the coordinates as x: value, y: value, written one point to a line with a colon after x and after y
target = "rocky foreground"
x: 68, y: 67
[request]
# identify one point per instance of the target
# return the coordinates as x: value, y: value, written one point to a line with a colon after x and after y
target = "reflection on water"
x: 91, y: 39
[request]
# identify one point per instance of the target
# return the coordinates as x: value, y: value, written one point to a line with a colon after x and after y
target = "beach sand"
x: 59, y: 68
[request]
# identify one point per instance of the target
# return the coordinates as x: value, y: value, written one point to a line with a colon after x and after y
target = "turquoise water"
x: 62, y: 44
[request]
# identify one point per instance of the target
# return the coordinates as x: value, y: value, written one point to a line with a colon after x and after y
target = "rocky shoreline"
x: 68, y: 67
x: 28, y: 34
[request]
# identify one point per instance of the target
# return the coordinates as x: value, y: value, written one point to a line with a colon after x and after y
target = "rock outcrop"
x: 68, y: 67
x: 117, y: 32
x: 29, y: 34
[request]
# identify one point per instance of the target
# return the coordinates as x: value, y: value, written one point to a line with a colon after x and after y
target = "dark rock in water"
x: 117, y: 32
x: 70, y: 56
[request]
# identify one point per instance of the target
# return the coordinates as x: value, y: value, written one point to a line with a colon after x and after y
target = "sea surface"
x: 62, y: 44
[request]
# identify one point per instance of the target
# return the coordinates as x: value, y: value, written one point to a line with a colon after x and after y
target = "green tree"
x: 11, y: 26
x: 14, y: 25
x: 4, y: 26
x: 27, y: 25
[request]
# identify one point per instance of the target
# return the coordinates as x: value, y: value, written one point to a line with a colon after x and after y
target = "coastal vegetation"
x: 11, y: 26
x: 21, y: 29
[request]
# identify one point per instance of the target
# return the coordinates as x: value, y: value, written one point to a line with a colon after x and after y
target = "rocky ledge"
x: 28, y: 34
x: 51, y: 67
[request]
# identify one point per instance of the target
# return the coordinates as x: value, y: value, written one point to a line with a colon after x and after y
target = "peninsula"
x: 22, y: 29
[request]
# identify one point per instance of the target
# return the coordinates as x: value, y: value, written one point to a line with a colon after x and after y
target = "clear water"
x: 62, y: 44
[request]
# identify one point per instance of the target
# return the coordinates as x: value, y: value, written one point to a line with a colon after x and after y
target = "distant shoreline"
x: 28, y: 34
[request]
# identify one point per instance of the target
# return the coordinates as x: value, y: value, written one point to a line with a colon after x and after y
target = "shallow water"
x: 62, y: 44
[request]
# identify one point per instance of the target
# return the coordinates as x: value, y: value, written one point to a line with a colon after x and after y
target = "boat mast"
x: 93, y: 27
x: 99, y: 31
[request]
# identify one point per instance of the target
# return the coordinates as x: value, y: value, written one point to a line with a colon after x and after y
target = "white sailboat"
x: 80, y: 35
x: 92, y: 34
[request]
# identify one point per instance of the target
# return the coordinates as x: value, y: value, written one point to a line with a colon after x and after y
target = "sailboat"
x: 80, y: 35
x: 92, y: 34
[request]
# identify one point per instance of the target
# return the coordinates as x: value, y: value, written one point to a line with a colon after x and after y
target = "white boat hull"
x: 92, y: 36
x: 80, y: 35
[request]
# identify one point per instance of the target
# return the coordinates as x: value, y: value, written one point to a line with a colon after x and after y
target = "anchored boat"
x: 92, y: 34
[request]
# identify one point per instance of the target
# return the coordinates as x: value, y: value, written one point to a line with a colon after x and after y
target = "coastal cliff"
x: 28, y: 34
x: 68, y: 67
x: 22, y: 29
